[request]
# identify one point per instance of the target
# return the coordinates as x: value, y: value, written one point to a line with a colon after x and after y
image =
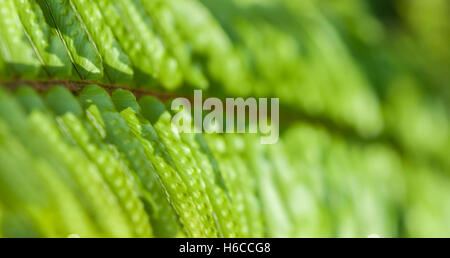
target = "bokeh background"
x: 369, y: 82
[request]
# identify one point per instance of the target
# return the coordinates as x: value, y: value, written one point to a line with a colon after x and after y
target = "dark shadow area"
x: 152, y: 108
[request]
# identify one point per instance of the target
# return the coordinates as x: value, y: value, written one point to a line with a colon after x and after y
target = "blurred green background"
x: 373, y: 78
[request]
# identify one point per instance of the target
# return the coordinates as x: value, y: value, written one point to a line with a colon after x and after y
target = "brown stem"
x: 76, y: 86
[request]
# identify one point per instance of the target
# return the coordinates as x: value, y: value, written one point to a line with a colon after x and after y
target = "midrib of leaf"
x: 72, y: 60
x: 77, y: 85
x: 91, y: 40
x: 35, y: 50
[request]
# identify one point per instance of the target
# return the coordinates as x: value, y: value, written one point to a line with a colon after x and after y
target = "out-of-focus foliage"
x: 364, y: 95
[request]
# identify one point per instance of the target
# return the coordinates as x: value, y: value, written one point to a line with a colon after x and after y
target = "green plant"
x: 87, y: 147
